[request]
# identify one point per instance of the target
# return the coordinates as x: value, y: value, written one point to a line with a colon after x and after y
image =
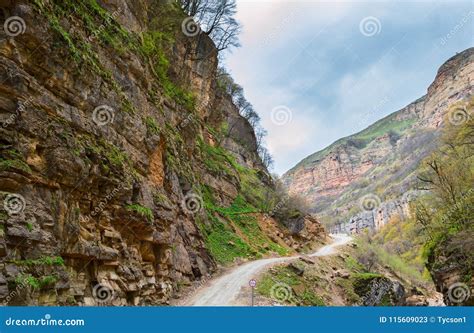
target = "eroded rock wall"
x: 101, y: 158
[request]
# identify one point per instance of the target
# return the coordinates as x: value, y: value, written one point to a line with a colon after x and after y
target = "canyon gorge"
x: 129, y: 175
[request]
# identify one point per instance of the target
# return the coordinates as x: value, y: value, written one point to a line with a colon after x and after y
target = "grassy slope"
x: 233, y: 231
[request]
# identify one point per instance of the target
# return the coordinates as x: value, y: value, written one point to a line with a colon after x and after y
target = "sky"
x: 318, y: 71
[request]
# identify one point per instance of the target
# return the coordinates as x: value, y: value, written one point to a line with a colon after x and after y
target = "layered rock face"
x: 86, y: 175
x: 103, y: 156
x: 380, y: 160
x: 375, y: 218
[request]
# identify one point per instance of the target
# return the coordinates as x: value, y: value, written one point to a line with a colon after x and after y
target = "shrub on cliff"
x: 287, y: 207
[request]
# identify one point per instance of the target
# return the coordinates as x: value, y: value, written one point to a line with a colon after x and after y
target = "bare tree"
x: 246, y: 110
x: 266, y: 157
x: 216, y: 18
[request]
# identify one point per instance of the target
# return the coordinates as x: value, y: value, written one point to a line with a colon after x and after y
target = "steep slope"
x: 119, y: 184
x: 374, y: 168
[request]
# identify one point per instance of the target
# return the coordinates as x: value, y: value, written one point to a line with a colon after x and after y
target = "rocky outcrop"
x: 380, y: 160
x: 379, y: 290
x: 378, y: 215
x: 109, y: 135
x: 454, y: 82
x: 301, y: 234
x: 451, y: 264
x: 97, y: 188
x: 305, y: 233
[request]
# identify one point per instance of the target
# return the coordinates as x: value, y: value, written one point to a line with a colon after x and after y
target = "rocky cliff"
x: 362, y: 180
x: 126, y: 173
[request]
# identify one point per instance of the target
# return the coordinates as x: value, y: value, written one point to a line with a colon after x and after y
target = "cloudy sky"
x: 317, y: 71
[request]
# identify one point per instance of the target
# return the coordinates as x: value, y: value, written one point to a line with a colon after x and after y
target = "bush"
x: 287, y: 207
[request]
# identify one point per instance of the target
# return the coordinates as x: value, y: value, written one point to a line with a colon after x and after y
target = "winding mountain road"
x: 224, y: 290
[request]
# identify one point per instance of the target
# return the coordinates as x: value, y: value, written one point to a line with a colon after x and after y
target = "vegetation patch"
x: 226, y: 243
x: 153, y: 47
x: 36, y: 283
x: 152, y: 126
x: 42, y: 261
x: 142, y: 211
x: 13, y: 159
x: 348, y: 288
x: 372, y: 253
x: 217, y: 159
x: 293, y: 289
x: 222, y: 242
x: 99, y: 26
x: 362, y: 282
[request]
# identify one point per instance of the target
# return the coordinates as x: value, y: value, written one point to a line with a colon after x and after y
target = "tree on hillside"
x: 446, y: 213
x: 246, y: 110
x: 216, y: 19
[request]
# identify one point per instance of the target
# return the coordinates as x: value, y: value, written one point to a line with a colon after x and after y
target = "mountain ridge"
x: 326, y: 176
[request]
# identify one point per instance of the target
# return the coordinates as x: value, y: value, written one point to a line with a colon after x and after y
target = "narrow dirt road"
x: 223, y: 290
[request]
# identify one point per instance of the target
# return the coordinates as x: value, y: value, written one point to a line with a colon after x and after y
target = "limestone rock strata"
x: 100, y: 157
